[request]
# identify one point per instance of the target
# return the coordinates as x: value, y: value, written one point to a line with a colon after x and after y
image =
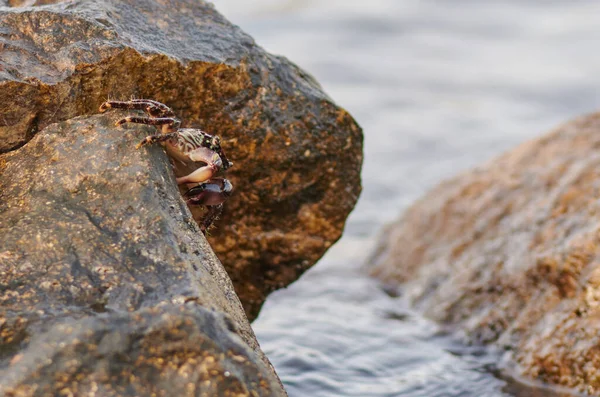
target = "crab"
x: 188, y: 147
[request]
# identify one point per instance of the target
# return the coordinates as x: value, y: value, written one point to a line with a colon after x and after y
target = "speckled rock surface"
x: 297, y: 155
x: 509, y: 253
x: 107, y: 285
x: 162, y: 351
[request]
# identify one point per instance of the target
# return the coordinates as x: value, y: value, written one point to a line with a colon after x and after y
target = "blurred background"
x: 438, y: 86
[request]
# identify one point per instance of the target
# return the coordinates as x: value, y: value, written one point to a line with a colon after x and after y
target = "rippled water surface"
x: 438, y: 86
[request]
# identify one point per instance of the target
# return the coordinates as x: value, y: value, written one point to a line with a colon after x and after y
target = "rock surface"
x: 297, y: 156
x: 509, y: 253
x: 107, y: 286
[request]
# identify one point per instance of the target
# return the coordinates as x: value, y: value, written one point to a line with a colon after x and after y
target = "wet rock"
x: 296, y: 155
x: 509, y: 253
x: 107, y: 286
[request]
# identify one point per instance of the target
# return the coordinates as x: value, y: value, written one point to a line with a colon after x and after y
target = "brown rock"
x: 510, y: 253
x: 296, y: 155
x: 107, y: 286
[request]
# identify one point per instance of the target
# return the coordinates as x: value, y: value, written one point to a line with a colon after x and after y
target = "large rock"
x: 509, y: 253
x: 296, y: 155
x: 107, y: 286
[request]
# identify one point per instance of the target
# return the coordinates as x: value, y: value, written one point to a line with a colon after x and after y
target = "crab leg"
x: 166, y: 111
x: 212, y: 215
x: 170, y: 124
x: 153, y: 108
x: 150, y: 139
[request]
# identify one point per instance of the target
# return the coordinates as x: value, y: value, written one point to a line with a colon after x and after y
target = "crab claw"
x: 213, y: 165
x: 212, y: 192
x: 105, y: 106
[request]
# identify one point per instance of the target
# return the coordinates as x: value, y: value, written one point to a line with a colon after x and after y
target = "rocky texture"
x: 297, y: 155
x: 107, y: 286
x: 509, y: 253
